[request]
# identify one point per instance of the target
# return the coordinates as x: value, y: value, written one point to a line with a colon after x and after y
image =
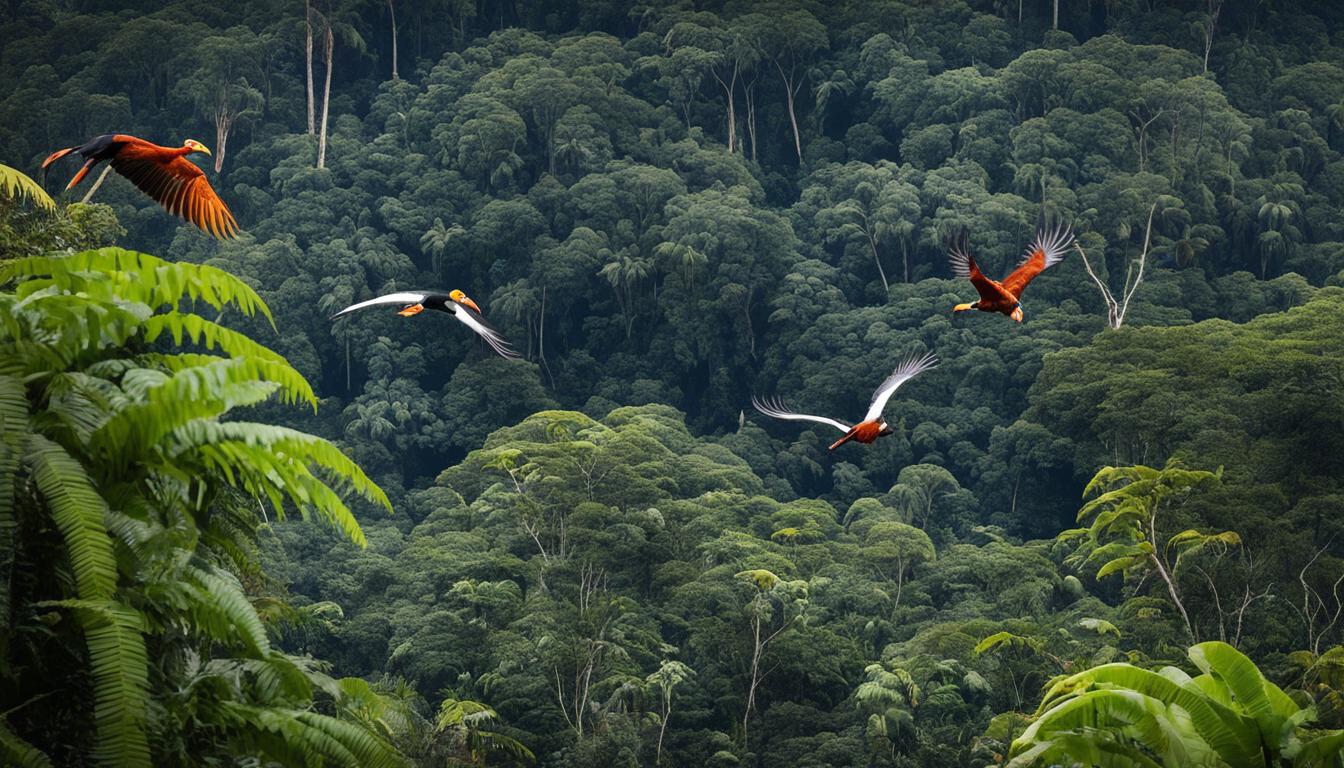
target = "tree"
x: 893, y: 549
x: 889, y: 696
x: 790, y: 38
x: 1227, y: 715
x: 1123, y: 536
x: 774, y: 607
x: 919, y: 486
x: 121, y: 450
x: 336, y: 22
x: 1116, y: 309
x: 706, y: 45
x: 464, y: 723
x: 220, y: 87
x: 668, y: 676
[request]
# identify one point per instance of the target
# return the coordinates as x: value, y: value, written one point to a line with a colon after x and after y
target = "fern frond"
x: 77, y: 509
x: 131, y: 276
x: 18, y: 185
x: 226, y: 611
x: 276, y: 462
x: 271, y: 365
x: 19, y: 753
x: 368, y: 749
x: 199, y: 392
x: 120, y: 667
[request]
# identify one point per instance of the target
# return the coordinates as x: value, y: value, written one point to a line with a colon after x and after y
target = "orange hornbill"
x: 1005, y: 297
x: 163, y: 173
x: 454, y: 302
x: 873, y: 425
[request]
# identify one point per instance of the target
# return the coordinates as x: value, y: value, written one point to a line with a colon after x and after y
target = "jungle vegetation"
x: 234, y: 532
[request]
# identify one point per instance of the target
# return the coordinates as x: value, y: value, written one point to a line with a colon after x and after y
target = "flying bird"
x: 873, y: 425
x: 163, y: 173
x: 454, y: 302
x: 1005, y: 297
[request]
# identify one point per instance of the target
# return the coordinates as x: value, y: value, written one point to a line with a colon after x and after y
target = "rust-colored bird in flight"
x: 1005, y: 297
x: 163, y: 173
x: 873, y: 425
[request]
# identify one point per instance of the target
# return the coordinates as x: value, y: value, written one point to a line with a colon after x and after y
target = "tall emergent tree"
x: 1131, y: 508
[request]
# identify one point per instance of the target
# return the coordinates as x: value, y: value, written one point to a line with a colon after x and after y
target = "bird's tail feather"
x: 848, y: 436
x: 80, y: 176
x: 57, y: 155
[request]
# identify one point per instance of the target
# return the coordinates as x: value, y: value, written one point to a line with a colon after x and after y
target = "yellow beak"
x: 1017, y: 314
x: 469, y: 303
x: 206, y: 150
x: 961, y: 308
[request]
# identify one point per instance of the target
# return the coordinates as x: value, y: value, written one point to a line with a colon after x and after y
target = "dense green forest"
x: 236, y: 532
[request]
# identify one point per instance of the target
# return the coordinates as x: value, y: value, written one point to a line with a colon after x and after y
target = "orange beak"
x: 1017, y: 314
x: 466, y: 302
x: 414, y: 309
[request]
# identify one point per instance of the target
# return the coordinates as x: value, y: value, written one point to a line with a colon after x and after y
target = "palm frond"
x: 18, y: 185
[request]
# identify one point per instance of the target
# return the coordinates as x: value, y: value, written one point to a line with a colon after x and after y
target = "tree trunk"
x: 1215, y: 7
x: 308, y: 60
x: 393, y: 13
x: 97, y: 184
x: 1162, y: 572
x: 751, y: 116
x: 662, y: 728
x: 326, y: 102
x: 872, y: 245
x: 1054, y: 22
x: 729, y: 88
x: 755, y: 671
x: 789, y: 92
x: 222, y: 124
x: 541, y: 337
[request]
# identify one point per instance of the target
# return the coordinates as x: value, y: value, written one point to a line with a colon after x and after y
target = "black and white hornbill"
x: 454, y: 302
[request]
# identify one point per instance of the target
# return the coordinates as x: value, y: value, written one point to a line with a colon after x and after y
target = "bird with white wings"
x: 873, y: 425
x: 454, y: 302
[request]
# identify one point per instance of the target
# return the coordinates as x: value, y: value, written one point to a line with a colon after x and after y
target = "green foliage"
x: 16, y: 185
x: 1228, y: 715
x: 119, y: 449
x: 669, y: 211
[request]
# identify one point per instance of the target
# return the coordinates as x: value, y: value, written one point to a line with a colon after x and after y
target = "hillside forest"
x: 235, y: 531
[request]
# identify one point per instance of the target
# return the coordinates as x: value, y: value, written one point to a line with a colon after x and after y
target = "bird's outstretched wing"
x: 475, y: 322
x: 1049, y: 248
x: 963, y: 265
x: 775, y: 409
x: 908, y: 368
x: 399, y: 299
x: 182, y: 189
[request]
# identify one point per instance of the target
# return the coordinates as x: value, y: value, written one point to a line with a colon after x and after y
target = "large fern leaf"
x: 19, y: 753
x: 18, y: 185
x: 266, y: 364
x: 77, y: 509
x: 120, y: 668
x: 224, y: 607
x: 131, y: 276
x: 203, y: 391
